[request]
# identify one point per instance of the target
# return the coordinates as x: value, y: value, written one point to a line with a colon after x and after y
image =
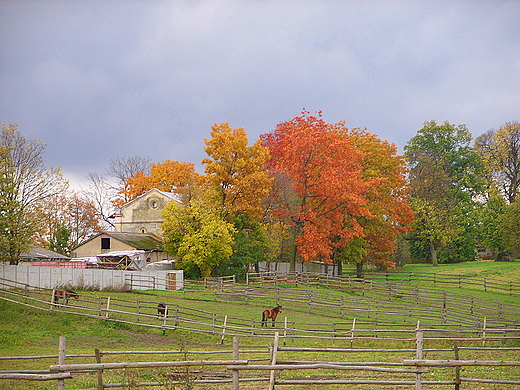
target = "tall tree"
x: 70, y: 211
x: 123, y: 168
x: 500, y: 151
x: 236, y: 171
x: 446, y: 179
x: 325, y: 172
x: 100, y: 193
x: 389, y: 205
x: 29, y: 182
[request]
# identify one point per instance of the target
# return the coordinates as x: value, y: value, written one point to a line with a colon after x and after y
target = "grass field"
x: 29, y: 332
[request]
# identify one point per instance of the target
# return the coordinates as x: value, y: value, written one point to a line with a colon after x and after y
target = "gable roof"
x: 143, y: 241
x: 42, y: 254
x: 171, y: 195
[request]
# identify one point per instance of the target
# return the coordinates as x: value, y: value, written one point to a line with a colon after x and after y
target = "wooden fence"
x: 403, y: 367
x: 397, y: 278
x: 145, y: 313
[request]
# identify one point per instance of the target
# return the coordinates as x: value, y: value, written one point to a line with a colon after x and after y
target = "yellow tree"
x: 197, y: 236
x: 236, y: 171
x: 500, y: 151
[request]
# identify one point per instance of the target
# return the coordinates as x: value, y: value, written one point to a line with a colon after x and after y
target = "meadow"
x: 29, y: 332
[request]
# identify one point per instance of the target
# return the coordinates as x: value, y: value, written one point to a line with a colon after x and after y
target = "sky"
x: 103, y: 79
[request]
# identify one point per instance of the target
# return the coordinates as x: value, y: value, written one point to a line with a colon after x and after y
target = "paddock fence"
x: 394, y: 278
x: 176, y: 317
x: 275, y: 366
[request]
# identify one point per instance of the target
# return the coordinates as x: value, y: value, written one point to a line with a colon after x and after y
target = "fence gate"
x: 172, y: 281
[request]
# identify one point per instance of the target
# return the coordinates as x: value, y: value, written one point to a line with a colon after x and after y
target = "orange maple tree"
x: 168, y: 175
x: 391, y: 211
x: 330, y: 190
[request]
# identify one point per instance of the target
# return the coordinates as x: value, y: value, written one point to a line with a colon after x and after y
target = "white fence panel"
x: 54, y: 277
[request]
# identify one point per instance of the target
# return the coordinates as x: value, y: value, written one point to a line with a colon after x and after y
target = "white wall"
x: 53, y: 277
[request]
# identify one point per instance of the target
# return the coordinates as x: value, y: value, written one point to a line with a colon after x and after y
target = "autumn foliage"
x: 169, y: 176
x: 325, y: 172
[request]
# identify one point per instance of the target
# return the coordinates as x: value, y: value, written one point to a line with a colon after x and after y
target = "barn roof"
x: 143, y: 241
x: 37, y: 253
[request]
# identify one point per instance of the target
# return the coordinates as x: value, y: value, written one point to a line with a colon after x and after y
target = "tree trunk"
x: 339, y: 266
x: 433, y: 254
x: 359, y: 269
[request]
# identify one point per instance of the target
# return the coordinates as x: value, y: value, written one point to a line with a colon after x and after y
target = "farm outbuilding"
x: 106, y: 242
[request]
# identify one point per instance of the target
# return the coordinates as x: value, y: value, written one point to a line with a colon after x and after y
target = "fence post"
x: 61, y: 359
x: 100, y: 386
x: 108, y: 307
x: 236, y: 379
x: 274, y: 355
x: 285, y: 331
x: 457, y: 368
x: 418, y: 354
x: 352, y: 334
x: 223, y: 330
x: 53, y: 299
x: 484, y: 333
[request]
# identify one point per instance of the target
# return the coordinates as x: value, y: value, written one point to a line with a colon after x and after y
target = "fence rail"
x: 145, y: 313
x: 396, y: 278
x: 404, y: 367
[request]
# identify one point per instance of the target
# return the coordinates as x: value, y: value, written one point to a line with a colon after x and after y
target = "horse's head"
x: 278, y: 309
x: 72, y: 294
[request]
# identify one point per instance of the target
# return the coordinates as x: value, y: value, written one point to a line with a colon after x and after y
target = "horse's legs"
x: 273, y: 321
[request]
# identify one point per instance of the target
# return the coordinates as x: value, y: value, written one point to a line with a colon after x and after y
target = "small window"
x: 154, y: 204
x: 105, y: 243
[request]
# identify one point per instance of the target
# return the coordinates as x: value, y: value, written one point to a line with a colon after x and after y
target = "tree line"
x: 307, y: 191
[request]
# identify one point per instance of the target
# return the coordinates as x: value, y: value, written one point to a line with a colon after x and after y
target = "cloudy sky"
x: 98, y: 79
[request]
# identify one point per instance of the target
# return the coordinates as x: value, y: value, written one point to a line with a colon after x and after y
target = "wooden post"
x: 285, y: 331
x: 484, y: 333
x: 236, y: 379
x: 61, y: 359
x: 108, y: 307
x: 274, y: 355
x: 457, y: 368
x: 52, y: 298
x: 352, y: 334
x: 223, y: 330
x: 100, y: 386
x: 418, y: 354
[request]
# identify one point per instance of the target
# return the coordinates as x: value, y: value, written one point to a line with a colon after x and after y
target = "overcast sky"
x: 98, y: 79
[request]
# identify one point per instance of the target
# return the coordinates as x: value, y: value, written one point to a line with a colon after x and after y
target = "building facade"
x: 144, y: 214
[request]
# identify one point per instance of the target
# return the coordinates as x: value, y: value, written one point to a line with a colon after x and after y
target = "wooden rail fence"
x: 402, y: 370
x: 397, y: 278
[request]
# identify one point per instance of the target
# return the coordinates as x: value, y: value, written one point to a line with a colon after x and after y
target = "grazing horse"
x: 161, y: 309
x: 65, y: 295
x: 266, y: 314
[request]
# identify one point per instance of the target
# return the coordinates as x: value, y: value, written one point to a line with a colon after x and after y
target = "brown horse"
x: 161, y: 309
x: 65, y: 295
x: 266, y: 314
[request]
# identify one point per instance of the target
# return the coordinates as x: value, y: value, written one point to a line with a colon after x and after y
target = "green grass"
x: 504, y: 271
x: 30, y: 332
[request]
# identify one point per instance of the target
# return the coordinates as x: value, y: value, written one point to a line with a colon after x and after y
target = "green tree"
x: 446, y: 179
x: 197, y: 236
x: 60, y: 241
x: 510, y: 228
x: 26, y: 182
x: 491, y: 233
x: 15, y: 233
